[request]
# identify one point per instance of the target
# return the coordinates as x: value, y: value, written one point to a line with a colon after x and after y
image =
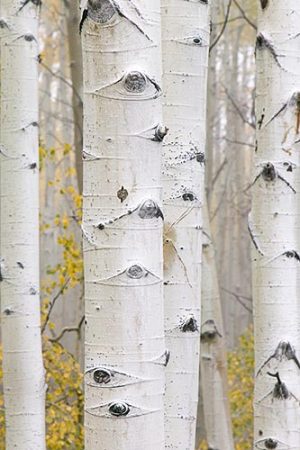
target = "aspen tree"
x: 274, y: 227
x: 122, y: 225
x: 185, y: 41
x: 213, y: 351
x: 23, y: 372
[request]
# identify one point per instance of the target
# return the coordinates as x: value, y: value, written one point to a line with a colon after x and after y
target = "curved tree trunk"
x: 23, y: 372
x: 213, y: 352
x: 122, y: 226
x: 185, y: 37
x: 275, y: 227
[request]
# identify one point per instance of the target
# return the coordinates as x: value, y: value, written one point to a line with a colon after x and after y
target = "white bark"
x: 275, y: 227
x: 185, y: 37
x: 213, y: 352
x: 122, y: 226
x: 76, y: 75
x: 23, y: 372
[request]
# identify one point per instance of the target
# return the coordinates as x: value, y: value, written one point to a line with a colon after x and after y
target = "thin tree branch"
x: 223, y: 27
x: 68, y: 330
x: 59, y: 293
x: 244, y: 15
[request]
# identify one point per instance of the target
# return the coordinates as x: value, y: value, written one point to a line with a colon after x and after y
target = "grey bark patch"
x: 209, y: 331
x: 150, y: 210
x: 284, y: 351
x: 271, y: 443
x: 102, y: 376
x: 100, y: 10
x: 3, y: 24
x: 160, y: 133
x: 135, y: 82
x: 122, y: 194
x: 189, y: 325
x: 200, y: 158
x: 264, y: 3
x: 119, y: 409
x: 280, y: 390
x: 188, y: 197
x: 269, y: 172
x: 136, y: 272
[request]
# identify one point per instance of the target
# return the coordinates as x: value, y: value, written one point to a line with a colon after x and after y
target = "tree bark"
x: 185, y: 40
x: 122, y: 226
x: 275, y: 228
x: 213, y: 352
x: 73, y: 20
x: 23, y: 372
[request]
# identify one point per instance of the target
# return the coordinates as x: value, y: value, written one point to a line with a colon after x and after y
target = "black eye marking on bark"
x: 101, y: 226
x: 122, y: 194
x: 197, y: 40
x: 136, y: 272
x: 269, y: 173
x: 32, y: 166
x: 209, y: 331
x: 149, y: 209
x: 189, y: 325
x: 119, y: 409
x: 253, y: 236
x: 284, y: 351
x: 264, y: 3
x: 270, y: 444
x: 132, y: 86
x: 83, y: 18
x: 200, y: 158
x: 263, y: 43
x: 167, y: 357
x: 189, y: 197
x: 260, y: 121
x: 3, y: 24
x: 280, y: 390
x: 160, y: 133
x: 292, y: 254
x: 135, y: 82
x: 31, y: 124
x: 34, y: 2
x: 102, y: 376
x: 32, y: 291
x: 8, y: 312
x: 20, y: 265
x: 103, y: 10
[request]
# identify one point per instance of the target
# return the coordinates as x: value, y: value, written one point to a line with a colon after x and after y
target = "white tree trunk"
x: 76, y: 75
x: 275, y: 227
x: 23, y: 372
x: 213, y: 352
x: 185, y: 37
x: 122, y: 226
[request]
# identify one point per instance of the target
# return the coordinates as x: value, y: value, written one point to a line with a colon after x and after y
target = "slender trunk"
x: 213, y: 352
x: 122, y: 226
x: 23, y: 372
x: 275, y: 227
x: 76, y: 75
x: 185, y: 35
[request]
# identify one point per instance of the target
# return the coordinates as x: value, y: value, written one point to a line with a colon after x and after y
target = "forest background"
x: 230, y: 146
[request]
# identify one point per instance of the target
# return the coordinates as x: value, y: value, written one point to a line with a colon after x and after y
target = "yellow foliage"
x: 64, y: 400
x: 241, y: 385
